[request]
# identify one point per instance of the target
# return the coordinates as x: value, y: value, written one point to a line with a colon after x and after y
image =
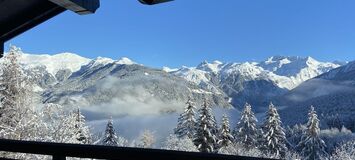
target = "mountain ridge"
x: 225, y: 83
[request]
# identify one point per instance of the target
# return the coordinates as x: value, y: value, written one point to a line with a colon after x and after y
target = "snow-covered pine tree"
x: 225, y: 137
x: 58, y: 126
x: 345, y: 151
x: 12, y: 89
x: 294, y: 136
x: 186, y: 126
x: 246, y: 131
x: 82, y: 131
x: 147, y: 139
x: 18, y: 119
x: 179, y: 144
x: 110, y: 138
x: 273, y: 134
x: 66, y: 131
x: 205, y: 138
x: 312, y: 146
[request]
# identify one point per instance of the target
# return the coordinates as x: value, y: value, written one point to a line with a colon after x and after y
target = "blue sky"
x: 186, y: 32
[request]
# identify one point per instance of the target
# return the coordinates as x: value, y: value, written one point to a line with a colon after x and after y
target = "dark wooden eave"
x: 18, y: 16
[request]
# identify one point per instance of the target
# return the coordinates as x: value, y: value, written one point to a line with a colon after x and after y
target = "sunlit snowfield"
x: 283, y: 107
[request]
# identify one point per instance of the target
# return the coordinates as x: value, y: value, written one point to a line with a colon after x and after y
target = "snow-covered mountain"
x: 49, y: 70
x: 72, y: 80
x: 297, y: 69
x: 124, y: 87
x: 53, y: 69
x: 255, y: 82
x: 68, y: 79
x: 213, y: 67
x: 65, y: 61
x: 54, y: 63
x: 285, y: 71
x: 331, y: 93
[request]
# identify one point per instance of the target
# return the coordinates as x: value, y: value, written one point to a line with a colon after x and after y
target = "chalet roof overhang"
x: 18, y: 16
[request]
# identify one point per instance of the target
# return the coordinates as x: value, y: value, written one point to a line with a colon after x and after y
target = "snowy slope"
x: 102, y: 61
x: 54, y: 63
x: 213, y: 67
x: 49, y: 70
x: 193, y: 75
x: 199, y: 77
x: 346, y: 72
x: 285, y: 72
x: 243, y: 82
x: 297, y: 69
x: 341, y: 79
x: 168, y: 69
x: 131, y: 89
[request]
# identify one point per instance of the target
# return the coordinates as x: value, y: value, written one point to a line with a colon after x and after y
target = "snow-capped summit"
x: 275, y: 62
x: 278, y: 63
x: 247, y: 70
x: 297, y: 69
x: 54, y: 63
x: 192, y: 74
x: 199, y: 77
x: 213, y: 67
x: 274, y: 76
x: 100, y: 61
x: 168, y: 70
x: 125, y: 60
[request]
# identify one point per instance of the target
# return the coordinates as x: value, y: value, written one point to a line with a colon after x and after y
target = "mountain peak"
x: 66, y: 55
x: 125, y: 60
x: 102, y: 60
x: 54, y: 63
x: 217, y: 62
x: 210, y: 67
x: 168, y: 70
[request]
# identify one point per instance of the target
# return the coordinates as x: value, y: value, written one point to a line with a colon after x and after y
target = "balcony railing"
x: 59, y: 151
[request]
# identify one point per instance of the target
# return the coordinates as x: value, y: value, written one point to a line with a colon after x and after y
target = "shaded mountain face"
x: 332, y: 94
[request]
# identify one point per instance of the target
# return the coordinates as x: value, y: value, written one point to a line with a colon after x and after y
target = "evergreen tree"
x: 312, y: 146
x: 345, y: 151
x: 14, y: 89
x: 110, y: 138
x: 186, y: 123
x: 274, y: 136
x: 246, y: 131
x: 147, y: 139
x: 225, y: 136
x: 18, y: 119
x: 66, y: 131
x: 205, y: 138
x: 179, y: 144
x: 59, y: 125
x: 81, y: 130
x: 294, y: 136
x: 211, y: 118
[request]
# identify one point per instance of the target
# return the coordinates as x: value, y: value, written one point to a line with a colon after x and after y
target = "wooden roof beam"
x: 81, y: 7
